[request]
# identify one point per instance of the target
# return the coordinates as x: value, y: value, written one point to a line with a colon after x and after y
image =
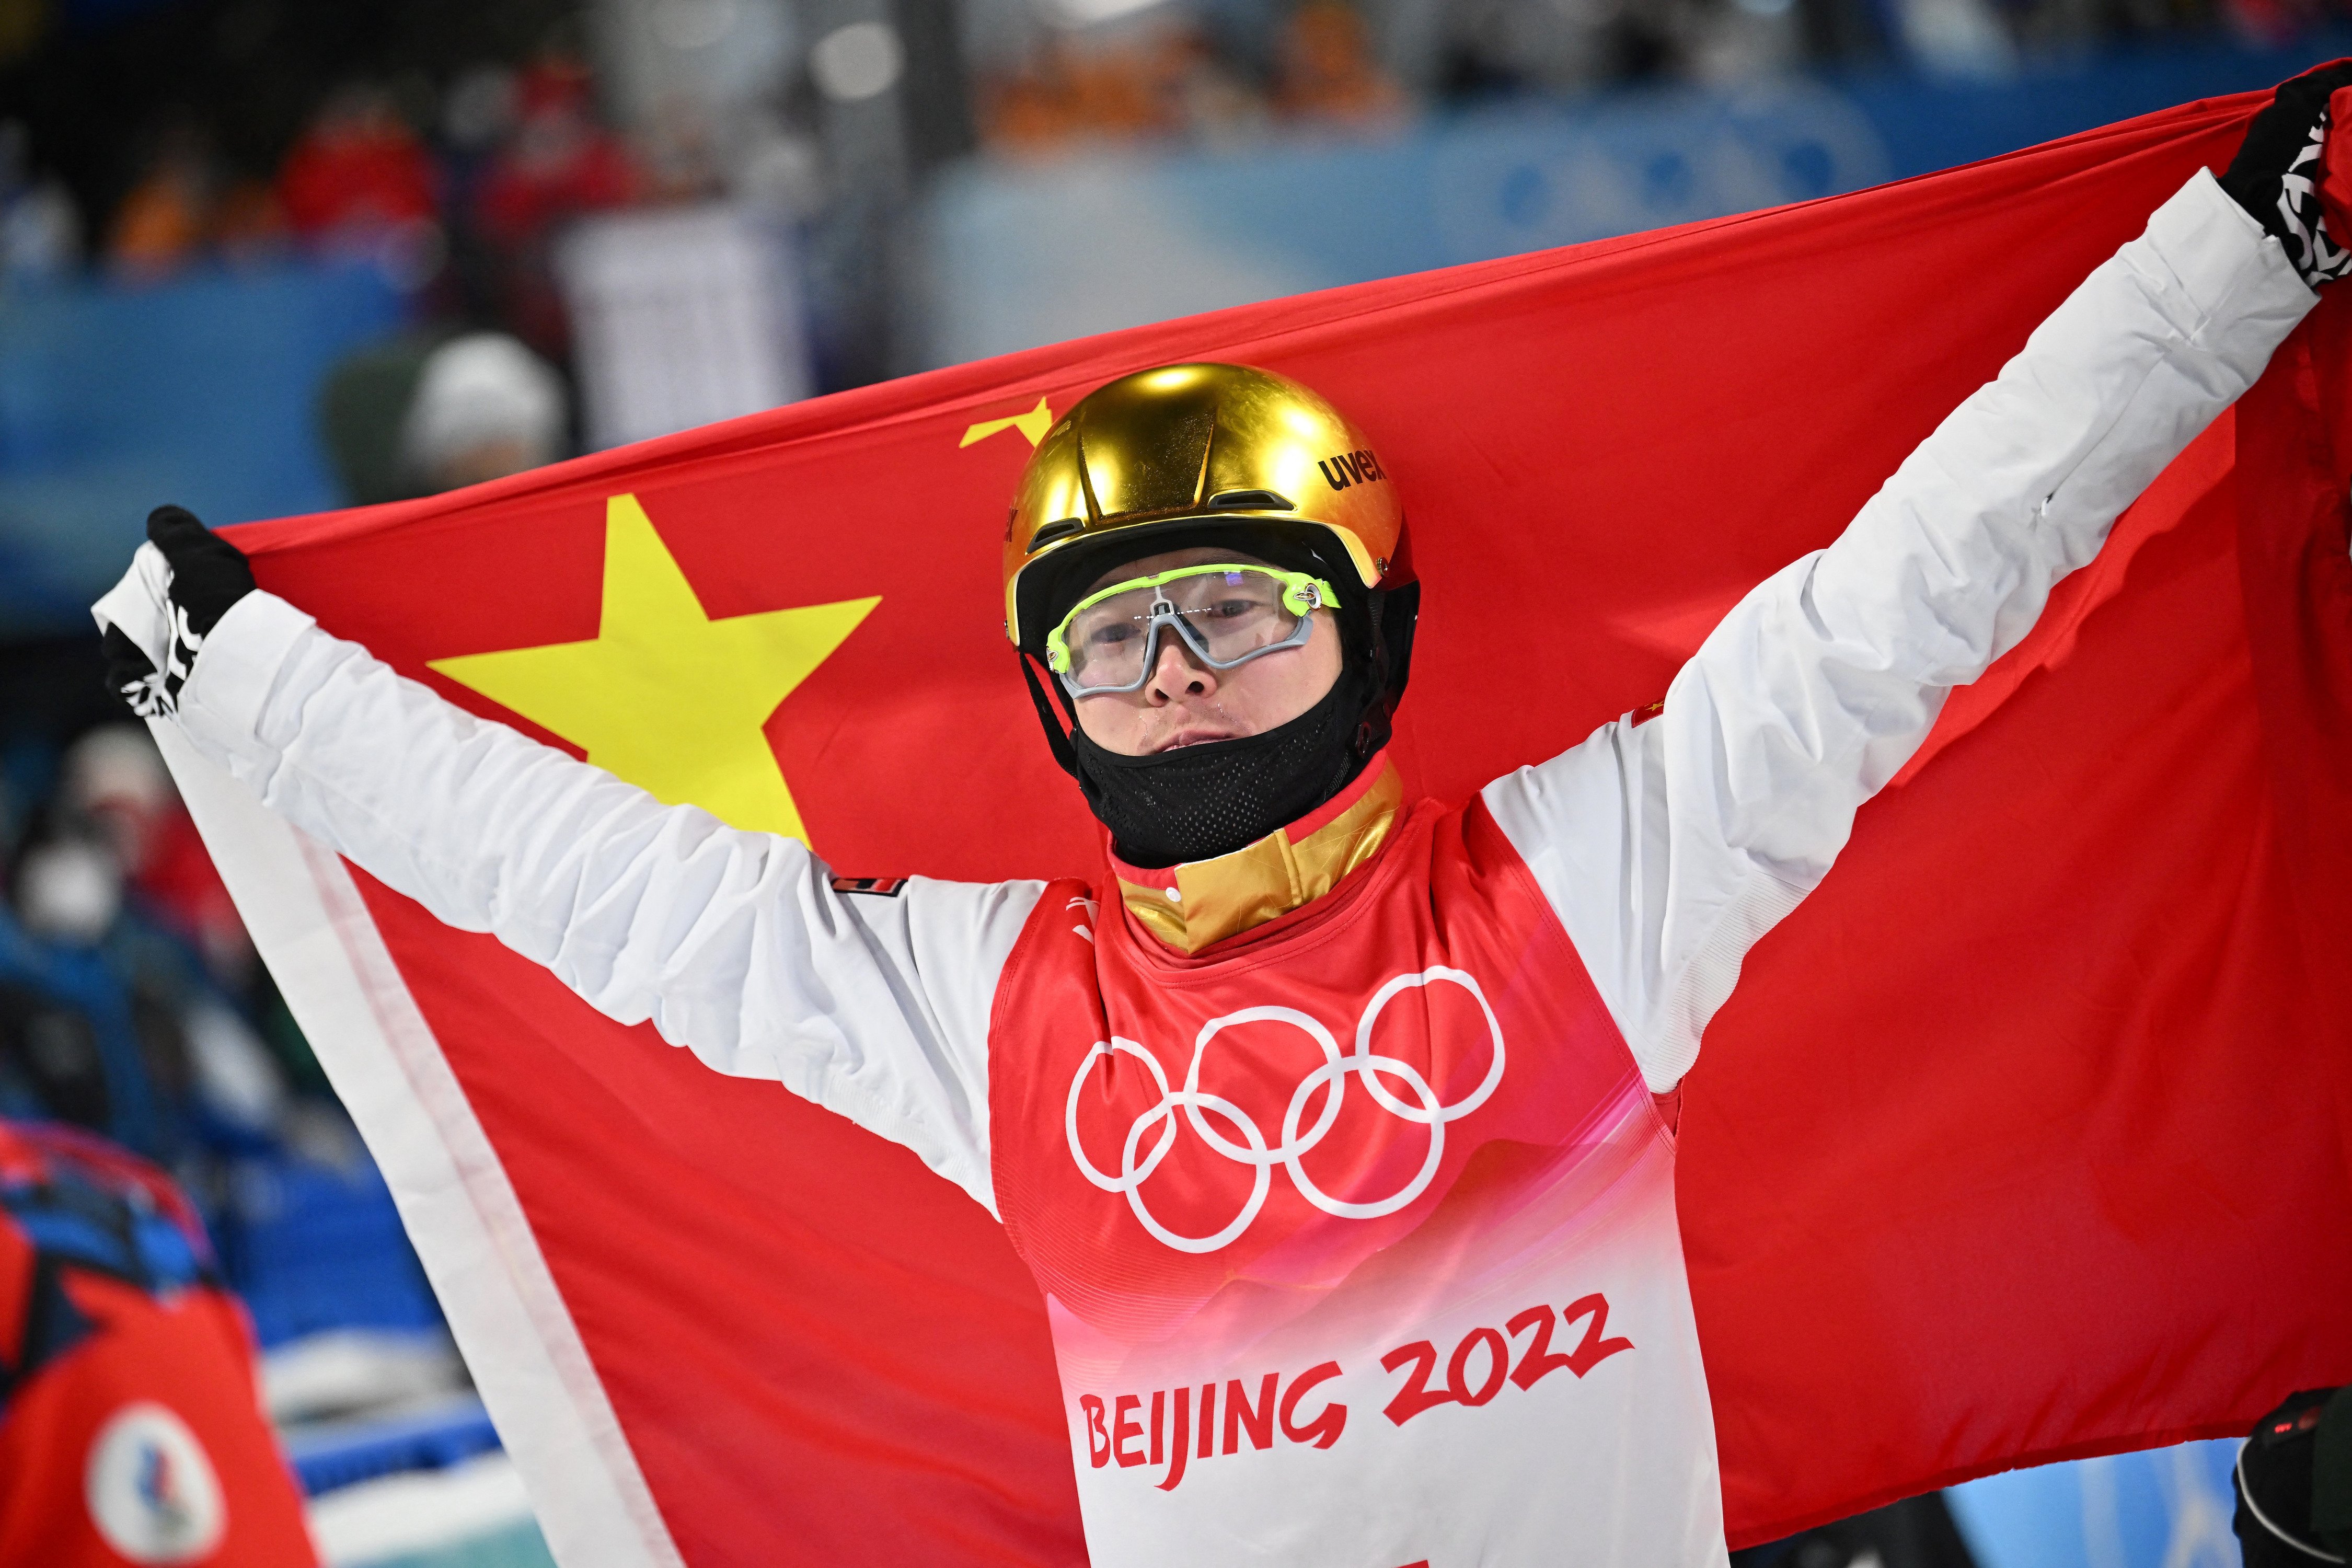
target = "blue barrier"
x: 1935, y: 125
x: 309, y: 1248
x: 113, y: 399
x: 349, y: 1451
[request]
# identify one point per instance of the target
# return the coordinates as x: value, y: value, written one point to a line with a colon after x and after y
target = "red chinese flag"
x: 2024, y: 1137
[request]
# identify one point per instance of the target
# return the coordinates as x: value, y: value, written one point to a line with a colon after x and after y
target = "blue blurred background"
x: 264, y: 257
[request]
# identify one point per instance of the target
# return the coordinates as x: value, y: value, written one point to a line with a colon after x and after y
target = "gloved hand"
x: 203, y: 574
x: 2276, y: 174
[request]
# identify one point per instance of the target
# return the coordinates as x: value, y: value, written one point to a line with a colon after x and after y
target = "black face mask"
x: 1197, y: 803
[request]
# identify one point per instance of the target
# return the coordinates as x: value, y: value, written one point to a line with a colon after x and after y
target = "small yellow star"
x: 664, y: 696
x: 1033, y: 425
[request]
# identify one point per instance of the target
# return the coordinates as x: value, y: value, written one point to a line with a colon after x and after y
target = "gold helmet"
x: 1165, y: 450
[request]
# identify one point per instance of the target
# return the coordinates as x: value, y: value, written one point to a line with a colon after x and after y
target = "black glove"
x: 2275, y: 175
x: 208, y: 575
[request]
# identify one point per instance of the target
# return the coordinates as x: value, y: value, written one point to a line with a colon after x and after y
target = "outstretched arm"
x: 1669, y: 848
x: 734, y: 944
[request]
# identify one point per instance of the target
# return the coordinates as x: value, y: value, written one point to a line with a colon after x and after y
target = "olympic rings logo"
x: 1136, y: 1164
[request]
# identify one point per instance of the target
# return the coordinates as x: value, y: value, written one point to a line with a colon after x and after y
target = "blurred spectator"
x: 361, y: 412
x: 1328, y: 70
x: 1153, y: 79
x: 69, y: 1043
x: 1160, y: 76
x: 485, y: 407
x: 40, y: 229
x: 780, y: 173
x: 558, y: 162
x: 120, y: 974
x: 1505, y: 45
x: 2278, y: 22
x: 52, y: 1064
x: 167, y: 217
x: 1031, y: 110
x: 187, y: 205
x: 114, y: 780
x: 129, y: 1429
x: 430, y: 413
x: 245, y: 222
x: 360, y: 183
x: 1959, y: 37
x: 358, y: 167
x: 478, y: 114
x: 69, y: 891
x: 682, y: 154
x: 1220, y: 107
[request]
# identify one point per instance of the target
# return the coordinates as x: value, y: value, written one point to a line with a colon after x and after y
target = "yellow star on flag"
x: 664, y: 696
x: 1034, y: 424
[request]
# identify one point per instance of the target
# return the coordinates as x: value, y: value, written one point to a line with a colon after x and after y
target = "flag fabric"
x: 2023, y: 1139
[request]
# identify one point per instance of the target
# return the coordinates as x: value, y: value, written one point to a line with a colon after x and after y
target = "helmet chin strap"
x: 1056, y: 735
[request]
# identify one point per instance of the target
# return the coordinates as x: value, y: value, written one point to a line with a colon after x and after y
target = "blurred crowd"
x: 134, y: 1007
x: 455, y: 165
x: 1077, y: 72
x: 131, y: 1003
x: 1168, y: 76
x: 454, y: 182
x: 460, y: 209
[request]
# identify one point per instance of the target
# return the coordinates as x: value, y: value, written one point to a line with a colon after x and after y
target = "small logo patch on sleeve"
x: 879, y: 886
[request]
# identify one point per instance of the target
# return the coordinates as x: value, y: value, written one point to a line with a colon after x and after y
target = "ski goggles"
x: 1226, y: 615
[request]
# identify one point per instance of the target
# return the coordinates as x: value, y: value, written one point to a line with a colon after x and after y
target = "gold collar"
x: 1204, y: 902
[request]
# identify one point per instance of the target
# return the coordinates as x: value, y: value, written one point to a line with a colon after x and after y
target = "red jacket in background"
x: 130, y: 1431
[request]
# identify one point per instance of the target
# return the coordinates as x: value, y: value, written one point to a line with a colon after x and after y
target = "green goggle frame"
x: 1303, y: 593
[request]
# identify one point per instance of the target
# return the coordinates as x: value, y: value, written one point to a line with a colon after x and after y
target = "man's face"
x: 1185, y: 702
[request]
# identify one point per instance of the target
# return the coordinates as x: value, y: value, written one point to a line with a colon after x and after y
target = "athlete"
x: 1336, y: 1127
x: 131, y: 1429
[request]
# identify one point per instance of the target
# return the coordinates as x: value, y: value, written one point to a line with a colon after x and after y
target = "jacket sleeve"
x: 734, y: 944
x: 1670, y: 848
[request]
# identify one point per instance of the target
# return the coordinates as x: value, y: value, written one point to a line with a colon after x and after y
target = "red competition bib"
x: 1357, y: 1231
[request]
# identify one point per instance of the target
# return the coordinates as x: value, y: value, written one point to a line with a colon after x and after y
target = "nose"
x: 1175, y: 673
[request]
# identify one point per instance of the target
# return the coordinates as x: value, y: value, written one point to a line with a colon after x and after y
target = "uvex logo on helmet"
x: 1356, y: 468
x: 1180, y: 448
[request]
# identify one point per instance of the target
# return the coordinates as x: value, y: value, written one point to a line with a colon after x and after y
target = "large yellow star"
x: 664, y: 696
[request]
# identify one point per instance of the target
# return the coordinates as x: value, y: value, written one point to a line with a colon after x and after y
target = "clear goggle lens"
x: 1227, y: 615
